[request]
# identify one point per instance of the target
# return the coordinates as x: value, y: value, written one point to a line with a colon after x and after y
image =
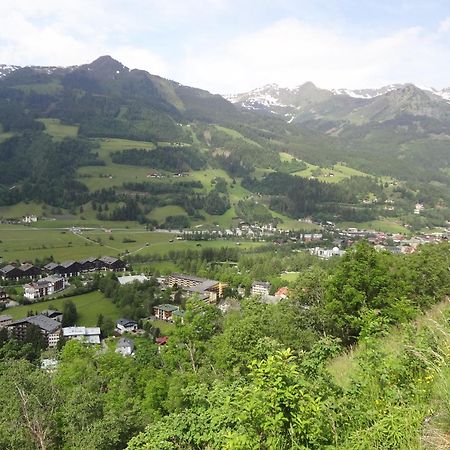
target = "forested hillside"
x: 68, y: 135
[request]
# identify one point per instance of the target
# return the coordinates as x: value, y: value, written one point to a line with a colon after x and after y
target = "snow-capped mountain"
x: 308, y: 102
x: 366, y: 93
x: 6, y: 69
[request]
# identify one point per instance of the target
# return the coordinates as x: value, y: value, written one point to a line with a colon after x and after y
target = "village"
x: 39, y: 283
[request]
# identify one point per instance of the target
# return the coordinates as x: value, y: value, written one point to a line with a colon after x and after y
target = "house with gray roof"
x: 50, y: 328
x: 126, y: 325
x: 125, y: 346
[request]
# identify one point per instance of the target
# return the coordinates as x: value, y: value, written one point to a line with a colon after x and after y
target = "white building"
x: 29, y: 219
x: 326, y: 253
x: 126, y: 279
x: 126, y: 325
x: 125, y: 347
x: 46, y: 286
x: 89, y: 335
x: 261, y: 288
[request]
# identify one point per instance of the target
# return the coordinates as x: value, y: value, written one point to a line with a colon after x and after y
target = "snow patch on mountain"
x: 367, y: 93
x: 6, y: 69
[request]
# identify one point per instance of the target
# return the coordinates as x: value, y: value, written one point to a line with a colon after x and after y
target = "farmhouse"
x: 89, y: 335
x: 50, y: 328
x: 46, y: 286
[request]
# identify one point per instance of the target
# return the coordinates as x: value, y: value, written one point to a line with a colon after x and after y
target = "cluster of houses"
x: 49, y: 323
x: 29, y: 218
x: 52, y: 278
x: 392, y: 242
x: 65, y: 269
x: 251, y: 231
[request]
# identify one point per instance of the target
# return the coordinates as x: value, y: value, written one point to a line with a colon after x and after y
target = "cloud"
x: 179, y: 39
x: 54, y: 32
x: 290, y: 52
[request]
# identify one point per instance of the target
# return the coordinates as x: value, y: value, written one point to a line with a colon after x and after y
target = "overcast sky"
x: 229, y: 46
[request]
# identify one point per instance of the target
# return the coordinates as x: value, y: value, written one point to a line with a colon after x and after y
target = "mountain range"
x: 399, y: 133
x: 307, y: 101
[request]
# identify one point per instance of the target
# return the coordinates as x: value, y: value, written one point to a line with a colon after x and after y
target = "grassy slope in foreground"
x: 89, y: 306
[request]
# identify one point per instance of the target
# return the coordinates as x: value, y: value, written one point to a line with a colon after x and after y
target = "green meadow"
x: 89, y: 306
x: 59, y: 131
x: 386, y: 226
x: 22, y: 243
x: 334, y: 174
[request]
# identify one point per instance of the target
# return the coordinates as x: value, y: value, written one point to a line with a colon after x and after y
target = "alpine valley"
x: 100, y: 142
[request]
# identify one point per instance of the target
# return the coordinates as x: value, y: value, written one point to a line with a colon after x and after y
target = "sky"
x: 232, y: 46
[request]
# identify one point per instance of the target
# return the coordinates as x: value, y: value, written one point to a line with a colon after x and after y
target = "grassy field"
x: 290, y: 277
x: 335, y: 174
x: 59, y: 131
x: 292, y: 224
x: 27, y: 244
x: 286, y: 157
x: 165, y: 328
x: 236, y: 135
x: 89, y: 306
x: 162, y: 212
x: 21, y: 209
x: 111, y: 145
x: 386, y: 226
x: 5, y: 136
x: 114, y: 175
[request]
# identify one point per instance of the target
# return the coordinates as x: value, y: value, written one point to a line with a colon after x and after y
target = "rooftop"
x: 108, y: 259
x: 207, y: 284
x: 188, y: 277
x: 125, y: 342
x: 68, y: 263
x: 167, y: 307
x: 131, y: 278
x: 8, y: 268
x: 81, y: 331
x: 51, y: 266
x: 261, y: 283
x: 125, y: 322
x: 85, y: 260
x: 41, y: 321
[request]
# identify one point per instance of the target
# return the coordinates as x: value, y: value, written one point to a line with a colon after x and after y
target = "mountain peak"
x: 106, y: 67
x: 308, y: 85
